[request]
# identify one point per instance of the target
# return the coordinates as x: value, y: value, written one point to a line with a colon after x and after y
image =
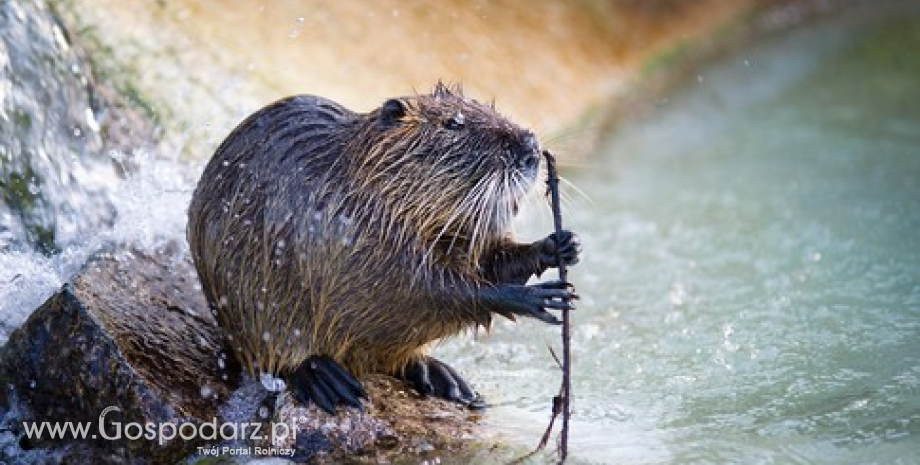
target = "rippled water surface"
x: 751, y: 280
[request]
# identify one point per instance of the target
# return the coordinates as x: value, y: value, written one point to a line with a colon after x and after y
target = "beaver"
x: 332, y: 244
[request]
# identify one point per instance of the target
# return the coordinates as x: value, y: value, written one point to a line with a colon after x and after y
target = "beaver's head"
x: 455, y: 162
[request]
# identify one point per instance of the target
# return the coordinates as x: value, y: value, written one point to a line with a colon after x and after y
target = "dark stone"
x: 309, y: 446
x: 132, y: 330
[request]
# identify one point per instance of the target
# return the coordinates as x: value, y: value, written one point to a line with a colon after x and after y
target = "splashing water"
x: 151, y: 212
x: 64, y: 190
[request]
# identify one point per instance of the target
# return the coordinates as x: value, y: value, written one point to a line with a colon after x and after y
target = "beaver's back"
x: 245, y: 222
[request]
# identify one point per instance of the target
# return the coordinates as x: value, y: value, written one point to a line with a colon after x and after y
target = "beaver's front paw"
x: 430, y: 376
x: 324, y: 382
x: 566, y: 244
x: 532, y: 300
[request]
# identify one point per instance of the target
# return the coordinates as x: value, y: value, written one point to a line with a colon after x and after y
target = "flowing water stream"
x: 751, y: 278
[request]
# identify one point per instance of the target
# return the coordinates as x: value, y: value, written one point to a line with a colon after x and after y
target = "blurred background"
x: 744, y: 174
x: 546, y: 64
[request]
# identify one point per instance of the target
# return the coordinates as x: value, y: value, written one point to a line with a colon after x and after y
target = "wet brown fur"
x: 319, y: 231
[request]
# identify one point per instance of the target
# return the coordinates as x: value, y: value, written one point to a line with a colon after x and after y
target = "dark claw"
x: 324, y: 382
x: 531, y: 300
x: 430, y: 376
x: 321, y: 395
x: 566, y: 243
x: 553, y: 295
x: 418, y: 374
x: 343, y: 383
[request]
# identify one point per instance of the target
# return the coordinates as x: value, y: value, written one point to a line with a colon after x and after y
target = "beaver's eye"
x: 455, y: 122
x: 392, y: 111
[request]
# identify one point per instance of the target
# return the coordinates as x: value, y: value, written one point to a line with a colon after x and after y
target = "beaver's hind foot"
x: 324, y: 382
x: 430, y: 376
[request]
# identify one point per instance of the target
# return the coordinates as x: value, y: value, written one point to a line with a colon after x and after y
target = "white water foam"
x: 150, y: 205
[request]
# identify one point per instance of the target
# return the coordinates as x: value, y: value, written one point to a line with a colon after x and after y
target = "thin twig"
x: 562, y: 401
x: 557, y: 408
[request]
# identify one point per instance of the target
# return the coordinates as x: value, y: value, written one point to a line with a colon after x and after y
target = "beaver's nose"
x: 528, y: 152
x: 529, y: 161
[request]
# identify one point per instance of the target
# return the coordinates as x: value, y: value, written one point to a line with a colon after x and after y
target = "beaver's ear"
x: 392, y: 111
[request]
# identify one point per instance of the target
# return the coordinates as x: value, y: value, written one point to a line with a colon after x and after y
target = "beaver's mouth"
x: 525, y: 183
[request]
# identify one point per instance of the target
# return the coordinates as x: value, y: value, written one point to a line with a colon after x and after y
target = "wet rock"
x: 130, y: 333
x: 395, y: 423
x: 131, y: 337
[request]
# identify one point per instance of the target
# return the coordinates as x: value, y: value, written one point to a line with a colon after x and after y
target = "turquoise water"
x: 751, y: 279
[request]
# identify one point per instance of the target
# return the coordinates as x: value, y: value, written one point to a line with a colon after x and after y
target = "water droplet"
x: 91, y: 122
x: 677, y: 295
x: 296, y: 30
x: 272, y: 383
